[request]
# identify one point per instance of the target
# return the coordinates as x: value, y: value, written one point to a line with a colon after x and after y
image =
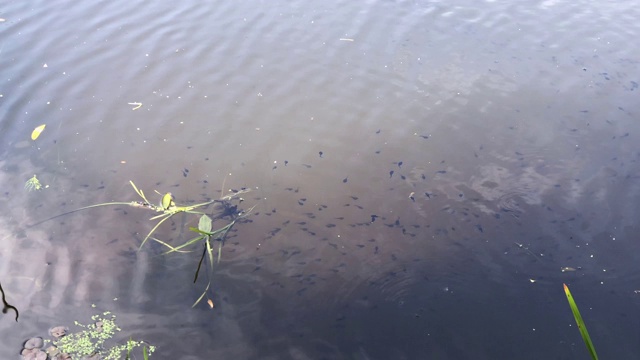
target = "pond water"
x: 426, y: 175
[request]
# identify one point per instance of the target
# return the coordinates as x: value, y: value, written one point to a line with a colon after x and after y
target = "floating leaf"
x: 36, y: 132
x: 167, y: 201
x: 204, y: 224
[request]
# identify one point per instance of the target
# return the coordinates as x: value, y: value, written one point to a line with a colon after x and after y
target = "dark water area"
x: 425, y: 175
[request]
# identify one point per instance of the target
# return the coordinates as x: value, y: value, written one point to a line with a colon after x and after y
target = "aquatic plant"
x: 581, y: 326
x: 91, y: 340
x: 205, y: 232
x: 33, y: 184
x: 207, y: 235
x: 168, y: 208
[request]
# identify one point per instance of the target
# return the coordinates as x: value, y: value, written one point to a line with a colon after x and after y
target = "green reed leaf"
x: 581, y: 326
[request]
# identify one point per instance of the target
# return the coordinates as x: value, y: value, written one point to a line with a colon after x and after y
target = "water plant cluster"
x: 89, y: 342
x: 224, y: 210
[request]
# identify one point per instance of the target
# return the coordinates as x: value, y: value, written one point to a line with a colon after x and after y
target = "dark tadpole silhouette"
x: 6, y: 306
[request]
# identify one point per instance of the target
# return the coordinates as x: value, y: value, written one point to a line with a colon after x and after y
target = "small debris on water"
x: 136, y: 104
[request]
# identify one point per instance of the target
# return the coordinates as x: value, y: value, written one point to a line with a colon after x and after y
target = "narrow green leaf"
x: 151, y: 232
x: 138, y: 191
x: 195, y: 229
x: 145, y: 354
x: 201, y: 296
x: 173, y: 249
x: 164, y: 213
x: 177, y: 248
x: 210, y: 252
x: 581, y: 326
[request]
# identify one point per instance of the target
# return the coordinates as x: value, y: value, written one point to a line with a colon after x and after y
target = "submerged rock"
x: 33, y: 343
x: 34, y: 355
x: 53, y: 351
x: 62, y: 357
x: 58, y: 331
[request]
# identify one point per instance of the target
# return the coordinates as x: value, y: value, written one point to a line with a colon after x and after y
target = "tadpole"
x: 7, y: 306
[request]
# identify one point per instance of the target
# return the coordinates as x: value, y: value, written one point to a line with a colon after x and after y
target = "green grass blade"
x: 151, y: 232
x: 201, y: 296
x: 581, y: 326
x: 139, y: 192
x: 199, y: 231
x: 172, y: 249
x: 145, y: 354
x: 78, y: 209
x: 169, y: 214
x: 210, y: 252
x: 179, y: 247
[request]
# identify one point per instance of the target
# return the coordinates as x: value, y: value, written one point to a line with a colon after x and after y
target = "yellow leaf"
x: 36, y: 132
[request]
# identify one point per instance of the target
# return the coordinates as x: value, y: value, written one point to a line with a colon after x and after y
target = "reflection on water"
x: 421, y: 175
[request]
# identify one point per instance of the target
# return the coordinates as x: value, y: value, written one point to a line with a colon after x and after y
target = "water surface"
x: 422, y: 173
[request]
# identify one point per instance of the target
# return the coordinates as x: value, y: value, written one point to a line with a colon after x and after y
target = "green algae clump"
x: 91, y: 340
